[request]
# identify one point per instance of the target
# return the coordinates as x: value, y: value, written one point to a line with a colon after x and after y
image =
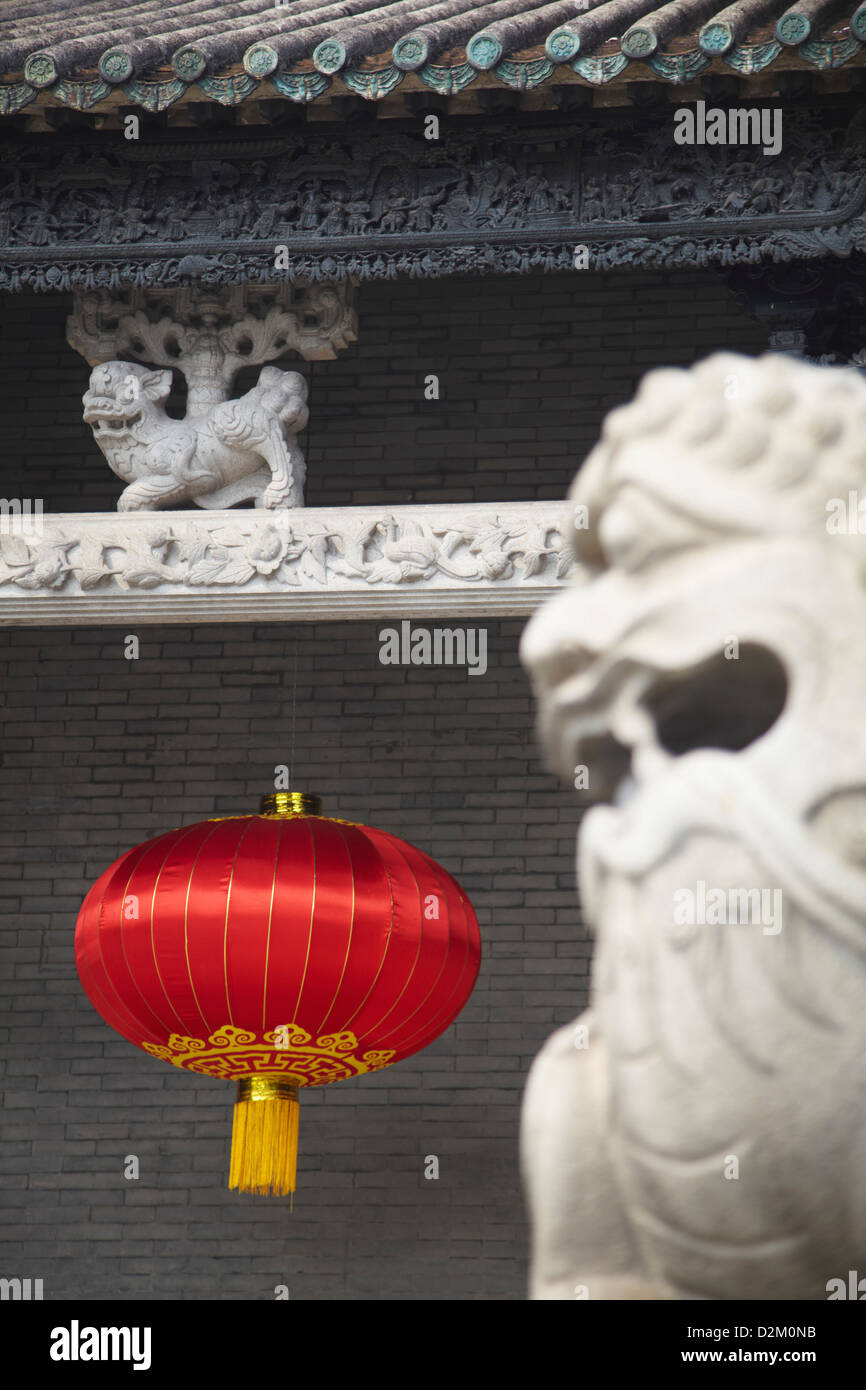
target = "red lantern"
x: 279, y: 950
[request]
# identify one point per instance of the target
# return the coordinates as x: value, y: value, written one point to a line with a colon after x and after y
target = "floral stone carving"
x: 699, y: 1133
x: 225, y: 450
x: 319, y: 559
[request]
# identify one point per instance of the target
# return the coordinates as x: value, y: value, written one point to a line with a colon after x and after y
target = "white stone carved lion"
x: 701, y: 1131
x: 230, y: 451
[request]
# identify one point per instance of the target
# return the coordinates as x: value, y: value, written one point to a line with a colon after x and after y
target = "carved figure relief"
x: 393, y: 190
x: 699, y: 1132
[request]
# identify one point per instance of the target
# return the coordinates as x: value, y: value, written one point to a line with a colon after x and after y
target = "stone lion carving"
x: 700, y: 1132
x: 231, y: 451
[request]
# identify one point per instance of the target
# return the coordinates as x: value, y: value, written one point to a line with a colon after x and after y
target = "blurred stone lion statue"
x: 700, y: 1132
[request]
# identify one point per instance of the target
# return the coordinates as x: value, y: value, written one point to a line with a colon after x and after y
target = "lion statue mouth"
x: 104, y: 420
x: 640, y: 682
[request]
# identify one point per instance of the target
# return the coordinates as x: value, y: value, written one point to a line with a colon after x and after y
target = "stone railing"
x: 309, y: 564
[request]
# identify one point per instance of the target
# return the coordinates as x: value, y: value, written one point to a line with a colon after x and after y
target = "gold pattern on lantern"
x: 289, y: 1051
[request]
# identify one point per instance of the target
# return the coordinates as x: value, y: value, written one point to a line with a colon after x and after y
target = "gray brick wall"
x: 100, y: 753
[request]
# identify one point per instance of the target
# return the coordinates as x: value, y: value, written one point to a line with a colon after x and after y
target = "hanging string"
x: 306, y: 448
x: 294, y: 701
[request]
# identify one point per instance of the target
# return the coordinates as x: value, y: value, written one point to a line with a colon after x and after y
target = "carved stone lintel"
x: 315, y: 564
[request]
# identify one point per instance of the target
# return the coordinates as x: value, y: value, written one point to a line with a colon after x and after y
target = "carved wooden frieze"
x: 374, y: 203
x: 313, y: 563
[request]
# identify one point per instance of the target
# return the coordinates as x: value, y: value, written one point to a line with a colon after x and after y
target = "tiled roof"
x: 82, y: 51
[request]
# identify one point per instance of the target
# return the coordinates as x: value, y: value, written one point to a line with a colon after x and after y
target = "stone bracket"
x: 237, y: 326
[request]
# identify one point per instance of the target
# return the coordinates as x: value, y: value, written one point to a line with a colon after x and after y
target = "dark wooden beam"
x: 571, y: 98
x: 719, y: 87
x: 497, y: 102
x: 647, y: 95
x: 208, y: 114
x: 353, y: 108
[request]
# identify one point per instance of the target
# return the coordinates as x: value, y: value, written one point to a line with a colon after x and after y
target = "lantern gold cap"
x: 290, y: 804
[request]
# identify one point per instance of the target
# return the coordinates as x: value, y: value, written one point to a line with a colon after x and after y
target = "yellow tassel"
x: 265, y: 1135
